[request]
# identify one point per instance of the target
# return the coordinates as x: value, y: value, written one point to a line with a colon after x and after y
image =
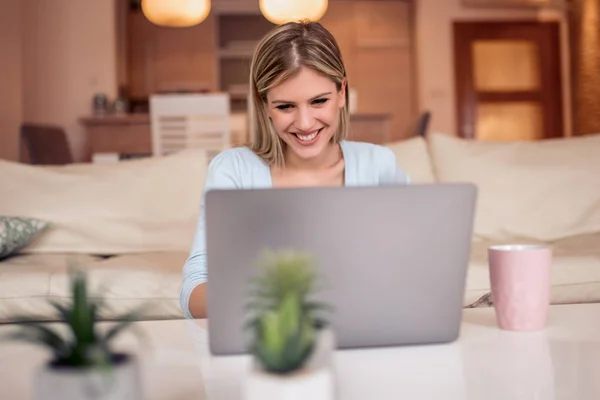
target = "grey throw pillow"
x: 18, y: 232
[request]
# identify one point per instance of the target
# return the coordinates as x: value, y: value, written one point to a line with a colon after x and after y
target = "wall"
x: 585, y: 45
x: 121, y: 8
x: 435, y: 61
x: 375, y: 38
x: 10, y: 78
x: 69, y: 54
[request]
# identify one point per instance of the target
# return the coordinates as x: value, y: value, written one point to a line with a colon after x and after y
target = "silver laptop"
x: 392, y: 260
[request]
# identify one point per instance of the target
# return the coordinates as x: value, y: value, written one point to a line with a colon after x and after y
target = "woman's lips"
x: 307, y: 138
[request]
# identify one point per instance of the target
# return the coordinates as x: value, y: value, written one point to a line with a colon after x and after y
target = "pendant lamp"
x: 176, y: 13
x: 282, y: 11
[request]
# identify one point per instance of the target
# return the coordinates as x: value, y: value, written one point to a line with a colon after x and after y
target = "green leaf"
x: 271, y: 335
x: 252, y: 323
x: 115, y: 330
x: 308, y: 335
x: 260, y: 305
x: 80, y: 318
x: 289, y: 315
x: 282, y: 318
x: 301, y: 344
x: 315, y: 305
x: 83, y: 347
x: 125, y: 323
x: 63, y: 311
x: 269, y: 361
x: 42, y: 335
x: 98, y: 356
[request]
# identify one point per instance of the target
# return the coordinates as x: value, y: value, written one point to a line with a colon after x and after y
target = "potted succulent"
x: 291, y: 343
x: 83, y: 365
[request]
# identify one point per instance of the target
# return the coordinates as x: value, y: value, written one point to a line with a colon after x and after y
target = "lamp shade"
x: 176, y: 13
x: 282, y: 11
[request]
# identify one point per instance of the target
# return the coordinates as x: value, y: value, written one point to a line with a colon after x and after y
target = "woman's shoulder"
x: 238, y: 166
x: 235, y: 157
x: 375, y: 160
x: 370, y: 152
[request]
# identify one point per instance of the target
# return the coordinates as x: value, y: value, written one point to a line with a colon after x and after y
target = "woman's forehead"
x: 303, y: 86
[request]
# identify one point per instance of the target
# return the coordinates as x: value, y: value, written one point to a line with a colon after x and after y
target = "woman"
x: 299, y: 96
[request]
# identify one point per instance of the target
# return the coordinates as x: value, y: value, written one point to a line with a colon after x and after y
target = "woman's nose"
x: 304, y: 119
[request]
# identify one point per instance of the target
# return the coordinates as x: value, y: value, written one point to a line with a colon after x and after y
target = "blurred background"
x: 78, y: 75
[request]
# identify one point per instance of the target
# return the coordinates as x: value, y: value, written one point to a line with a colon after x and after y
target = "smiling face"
x: 305, y: 111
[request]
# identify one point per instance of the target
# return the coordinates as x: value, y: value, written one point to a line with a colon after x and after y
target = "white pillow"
x: 131, y: 206
x: 412, y: 156
x: 542, y: 190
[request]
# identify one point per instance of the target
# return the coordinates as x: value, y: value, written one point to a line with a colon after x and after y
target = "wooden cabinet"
x: 376, y: 39
x: 125, y: 135
x: 169, y: 59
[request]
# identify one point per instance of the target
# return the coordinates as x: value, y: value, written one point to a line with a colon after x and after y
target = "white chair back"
x: 184, y: 121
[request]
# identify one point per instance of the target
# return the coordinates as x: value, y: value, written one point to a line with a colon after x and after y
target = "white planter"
x: 315, y: 381
x: 120, y: 382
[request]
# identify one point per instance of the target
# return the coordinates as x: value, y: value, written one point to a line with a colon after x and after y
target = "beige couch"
x: 131, y: 224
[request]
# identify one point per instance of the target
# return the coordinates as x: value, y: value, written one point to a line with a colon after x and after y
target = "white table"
x: 561, y: 362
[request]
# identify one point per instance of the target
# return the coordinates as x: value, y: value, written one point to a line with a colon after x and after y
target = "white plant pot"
x: 315, y: 381
x: 120, y: 382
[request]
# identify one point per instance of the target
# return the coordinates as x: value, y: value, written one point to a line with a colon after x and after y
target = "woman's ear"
x: 342, y: 92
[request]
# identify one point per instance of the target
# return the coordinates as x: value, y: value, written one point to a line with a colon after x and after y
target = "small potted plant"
x: 82, y: 366
x: 291, y: 343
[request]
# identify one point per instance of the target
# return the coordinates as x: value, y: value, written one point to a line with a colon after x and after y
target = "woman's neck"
x: 329, y: 157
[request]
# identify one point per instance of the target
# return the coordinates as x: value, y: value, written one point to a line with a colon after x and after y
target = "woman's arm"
x: 197, y: 303
x: 193, y: 290
x: 222, y: 174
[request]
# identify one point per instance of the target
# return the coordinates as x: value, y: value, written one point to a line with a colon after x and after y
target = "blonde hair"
x: 279, y: 55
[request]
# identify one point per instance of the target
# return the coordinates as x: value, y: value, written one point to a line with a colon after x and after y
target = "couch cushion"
x: 412, y: 156
x: 126, y: 282
x: 575, y: 273
x: 18, y: 232
x: 132, y: 206
x: 542, y: 190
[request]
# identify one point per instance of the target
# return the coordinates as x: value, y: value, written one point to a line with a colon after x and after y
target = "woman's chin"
x: 304, y: 151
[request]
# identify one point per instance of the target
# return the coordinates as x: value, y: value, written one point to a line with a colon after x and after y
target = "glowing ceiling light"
x: 176, y: 13
x: 282, y: 11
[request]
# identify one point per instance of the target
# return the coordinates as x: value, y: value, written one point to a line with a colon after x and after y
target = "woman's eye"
x: 287, y: 107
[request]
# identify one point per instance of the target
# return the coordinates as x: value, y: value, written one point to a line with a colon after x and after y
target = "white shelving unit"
x: 238, y: 31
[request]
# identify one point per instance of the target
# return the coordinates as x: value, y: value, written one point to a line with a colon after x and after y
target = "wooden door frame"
x: 466, y: 100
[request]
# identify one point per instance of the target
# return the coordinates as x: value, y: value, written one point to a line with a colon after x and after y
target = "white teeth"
x: 308, y: 137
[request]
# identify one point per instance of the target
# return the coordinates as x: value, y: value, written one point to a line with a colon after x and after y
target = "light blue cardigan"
x: 365, y: 164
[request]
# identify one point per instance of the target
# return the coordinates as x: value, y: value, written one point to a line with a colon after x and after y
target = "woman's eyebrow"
x: 291, y: 102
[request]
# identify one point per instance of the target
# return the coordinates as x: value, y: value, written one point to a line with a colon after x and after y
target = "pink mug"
x: 520, y: 280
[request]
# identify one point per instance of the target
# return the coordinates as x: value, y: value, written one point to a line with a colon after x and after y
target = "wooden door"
x: 508, y: 80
